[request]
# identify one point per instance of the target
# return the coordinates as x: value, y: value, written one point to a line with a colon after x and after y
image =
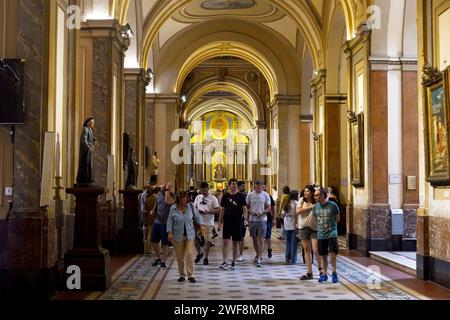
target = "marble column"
x: 332, y: 140
x: 287, y: 110
x: 306, y: 156
x: 28, y: 252
x: 108, y: 43
x: 135, y: 82
x: 165, y: 122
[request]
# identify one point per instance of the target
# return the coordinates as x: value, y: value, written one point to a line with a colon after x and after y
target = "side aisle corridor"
x: 136, y: 279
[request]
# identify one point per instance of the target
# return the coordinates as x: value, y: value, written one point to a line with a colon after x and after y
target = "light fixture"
x: 184, y: 98
x: 149, y: 74
x: 127, y: 32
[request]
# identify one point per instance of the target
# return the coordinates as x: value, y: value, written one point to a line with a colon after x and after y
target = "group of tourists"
x: 187, y: 220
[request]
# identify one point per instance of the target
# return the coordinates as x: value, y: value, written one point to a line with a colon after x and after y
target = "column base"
x: 433, y: 269
x: 130, y: 241
x: 94, y: 267
x: 36, y: 285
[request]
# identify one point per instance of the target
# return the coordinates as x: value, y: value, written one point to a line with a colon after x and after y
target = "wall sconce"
x: 183, y: 98
x: 149, y: 74
x: 322, y: 73
x: 127, y: 32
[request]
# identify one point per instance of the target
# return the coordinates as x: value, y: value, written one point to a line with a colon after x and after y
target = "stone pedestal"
x: 130, y: 238
x: 87, y: 253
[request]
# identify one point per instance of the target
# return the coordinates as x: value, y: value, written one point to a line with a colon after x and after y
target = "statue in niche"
x: 155, y: 166
x: 132, y: 169
x: 219, y: 172
x: 85, y: 175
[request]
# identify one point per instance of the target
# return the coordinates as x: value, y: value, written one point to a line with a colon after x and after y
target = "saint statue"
x: 155, y: 162
x: 155, y: 166
x: 85, y: 175
x: 218, y: 173
x: 132, y: 165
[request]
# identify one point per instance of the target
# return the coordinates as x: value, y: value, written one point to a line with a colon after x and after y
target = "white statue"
x: 155, y: 162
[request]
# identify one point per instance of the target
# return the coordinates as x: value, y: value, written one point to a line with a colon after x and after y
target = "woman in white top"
x: 307, y: 233
x: 290, y: 226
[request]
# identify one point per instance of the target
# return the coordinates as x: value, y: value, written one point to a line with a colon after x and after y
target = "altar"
x: 212, y: 158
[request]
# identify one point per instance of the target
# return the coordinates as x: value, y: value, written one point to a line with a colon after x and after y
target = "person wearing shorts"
x: 207, y: 206
x: 307, y: 231
x: 233, y: 206
x: 241, y: 189
x: 164, y: 200
x: 259, y: 205
x: 326, y: 214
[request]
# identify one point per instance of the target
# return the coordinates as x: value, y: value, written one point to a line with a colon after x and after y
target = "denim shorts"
x: 159, y: 233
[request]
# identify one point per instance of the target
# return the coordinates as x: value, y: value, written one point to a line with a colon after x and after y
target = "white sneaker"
x: 258, y: 263
x: 224, y: 266
x: 240, y: 259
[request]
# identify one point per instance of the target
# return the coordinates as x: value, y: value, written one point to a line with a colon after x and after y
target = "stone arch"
x: 225, y: 105
x: 335, y: 57
x: 298, y: 11
x: 199, y: 43
x: 229, y: 85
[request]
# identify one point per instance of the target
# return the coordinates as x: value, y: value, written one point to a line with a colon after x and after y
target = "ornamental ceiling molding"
x: 229, y: 48
x: 261, y: 11
x: 297, y: 10
x: 228, y: 87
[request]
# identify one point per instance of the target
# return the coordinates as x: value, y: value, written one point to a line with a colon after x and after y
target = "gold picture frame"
x: 436, y: 130
x: 356, y: 149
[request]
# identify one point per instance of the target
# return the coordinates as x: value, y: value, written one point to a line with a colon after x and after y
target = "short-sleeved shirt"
x: 163, y: 209
x: 204, y: 204
x: 326, y: 219
x: 257, y: 203
x: 233, y: 207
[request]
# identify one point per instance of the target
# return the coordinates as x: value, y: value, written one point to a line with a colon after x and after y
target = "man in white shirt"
x: 207, y: 205
x: 259, y: 205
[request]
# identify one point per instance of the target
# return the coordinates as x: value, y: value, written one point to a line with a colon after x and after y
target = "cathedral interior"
x: 352, y: 94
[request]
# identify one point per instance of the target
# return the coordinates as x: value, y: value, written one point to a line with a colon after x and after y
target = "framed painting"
x: 436, y: 129
x: 356, y: 149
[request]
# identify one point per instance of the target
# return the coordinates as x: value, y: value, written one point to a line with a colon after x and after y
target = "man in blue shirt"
x: 164, y: 200
x: 327, y: 217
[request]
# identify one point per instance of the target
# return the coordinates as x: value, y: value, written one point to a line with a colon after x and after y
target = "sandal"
x: 308, y: 276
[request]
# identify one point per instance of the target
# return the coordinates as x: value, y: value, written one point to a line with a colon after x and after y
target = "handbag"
x: 198, y: 228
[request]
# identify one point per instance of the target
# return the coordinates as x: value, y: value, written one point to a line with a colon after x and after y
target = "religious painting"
x: 357, y: 149
x: 227, y: 4
x: 219, y: 127
x: 436, y: 110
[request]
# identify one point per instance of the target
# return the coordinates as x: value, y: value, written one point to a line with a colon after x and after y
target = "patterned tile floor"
x: 276, y: 280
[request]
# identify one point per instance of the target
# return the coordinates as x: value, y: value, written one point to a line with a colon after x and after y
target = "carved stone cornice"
x: 109, y: 28
x: 306, y: 118
x: 287, y: 99
x: 362, y: 36
x: 162, y: 97
x: 389, y: 63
